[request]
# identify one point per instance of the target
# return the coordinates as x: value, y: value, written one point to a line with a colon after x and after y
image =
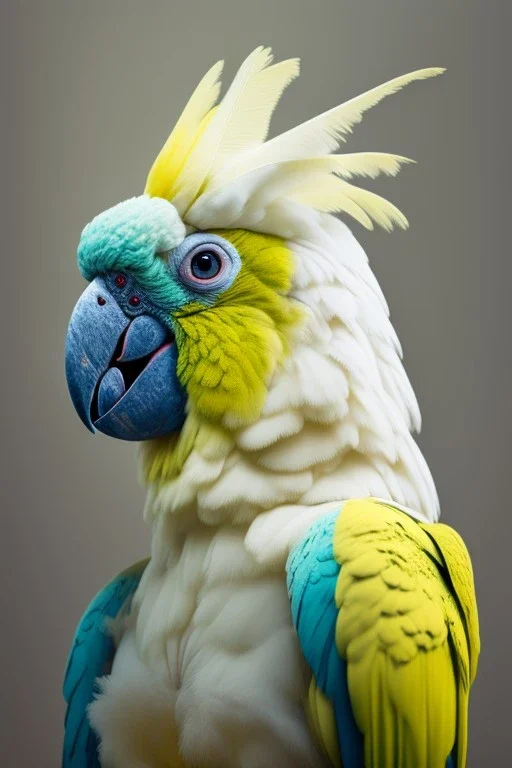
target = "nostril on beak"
x: 120, y: 280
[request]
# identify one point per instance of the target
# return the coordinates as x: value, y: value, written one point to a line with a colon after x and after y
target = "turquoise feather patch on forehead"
x: 127, y: 238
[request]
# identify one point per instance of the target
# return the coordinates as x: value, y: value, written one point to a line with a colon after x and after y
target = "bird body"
x: 301, y: 605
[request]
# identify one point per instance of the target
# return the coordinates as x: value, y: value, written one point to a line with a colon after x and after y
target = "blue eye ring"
x: 220, y: 263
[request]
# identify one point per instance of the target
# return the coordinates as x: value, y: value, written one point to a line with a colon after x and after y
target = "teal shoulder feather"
x: 312, y: 576
x: 91, y: 657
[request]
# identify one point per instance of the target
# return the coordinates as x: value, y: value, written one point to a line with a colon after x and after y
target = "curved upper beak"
x: 121, y: 370
x: 96, y: 325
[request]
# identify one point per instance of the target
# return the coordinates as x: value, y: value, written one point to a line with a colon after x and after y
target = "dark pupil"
x: 205, y: 265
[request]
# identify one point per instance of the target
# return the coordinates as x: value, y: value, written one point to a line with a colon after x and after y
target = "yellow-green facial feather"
x: 228, y: 352
x: 163, y: 458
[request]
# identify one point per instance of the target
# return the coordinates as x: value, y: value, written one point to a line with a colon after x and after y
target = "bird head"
x: 231, y: 322
x: 173, y: 323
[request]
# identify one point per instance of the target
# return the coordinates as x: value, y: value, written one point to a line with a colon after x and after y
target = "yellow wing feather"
x: 458, y: 565
x: 323, y: 723
x: 410, y: 650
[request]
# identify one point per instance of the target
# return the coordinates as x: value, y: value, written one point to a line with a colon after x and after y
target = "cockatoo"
x: 301, y: 606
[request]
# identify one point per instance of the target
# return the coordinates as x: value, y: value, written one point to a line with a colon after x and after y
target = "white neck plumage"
x: 337, y: 422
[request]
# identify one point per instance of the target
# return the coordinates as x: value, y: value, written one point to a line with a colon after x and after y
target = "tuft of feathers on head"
x: 217, y: 168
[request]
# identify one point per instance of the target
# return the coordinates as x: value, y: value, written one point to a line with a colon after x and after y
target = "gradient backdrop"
x: 91, y: 90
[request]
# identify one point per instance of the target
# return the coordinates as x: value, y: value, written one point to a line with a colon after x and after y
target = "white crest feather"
x: 313, y: 182
x: 324, y: 133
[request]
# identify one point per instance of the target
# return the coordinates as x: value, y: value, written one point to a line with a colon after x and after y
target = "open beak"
x: 121, y: 370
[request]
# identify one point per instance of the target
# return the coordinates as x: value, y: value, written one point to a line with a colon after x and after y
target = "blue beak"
x: 121, y: 369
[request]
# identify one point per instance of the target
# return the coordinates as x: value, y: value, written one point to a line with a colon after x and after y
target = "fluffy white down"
x: 210, y: 661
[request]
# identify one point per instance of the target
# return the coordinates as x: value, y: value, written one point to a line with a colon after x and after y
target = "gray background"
x: 91, y: 89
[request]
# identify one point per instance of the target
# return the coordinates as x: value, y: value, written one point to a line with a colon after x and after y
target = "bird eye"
x: 205, y: 265
x: 205, y: 262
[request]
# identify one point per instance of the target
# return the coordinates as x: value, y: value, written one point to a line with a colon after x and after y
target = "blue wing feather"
x: 91, y: 657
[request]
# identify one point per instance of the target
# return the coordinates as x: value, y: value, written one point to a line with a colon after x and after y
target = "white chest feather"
x: 211, y: 662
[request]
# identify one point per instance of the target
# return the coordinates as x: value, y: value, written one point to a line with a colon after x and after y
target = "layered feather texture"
x: 91, y: 656
x: 386, y: 614
x: 411, y: 651
x: 339, y: 412
x: 336, y: 422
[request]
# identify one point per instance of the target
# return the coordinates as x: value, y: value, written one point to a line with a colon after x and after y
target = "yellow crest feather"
x: 171, y: 159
